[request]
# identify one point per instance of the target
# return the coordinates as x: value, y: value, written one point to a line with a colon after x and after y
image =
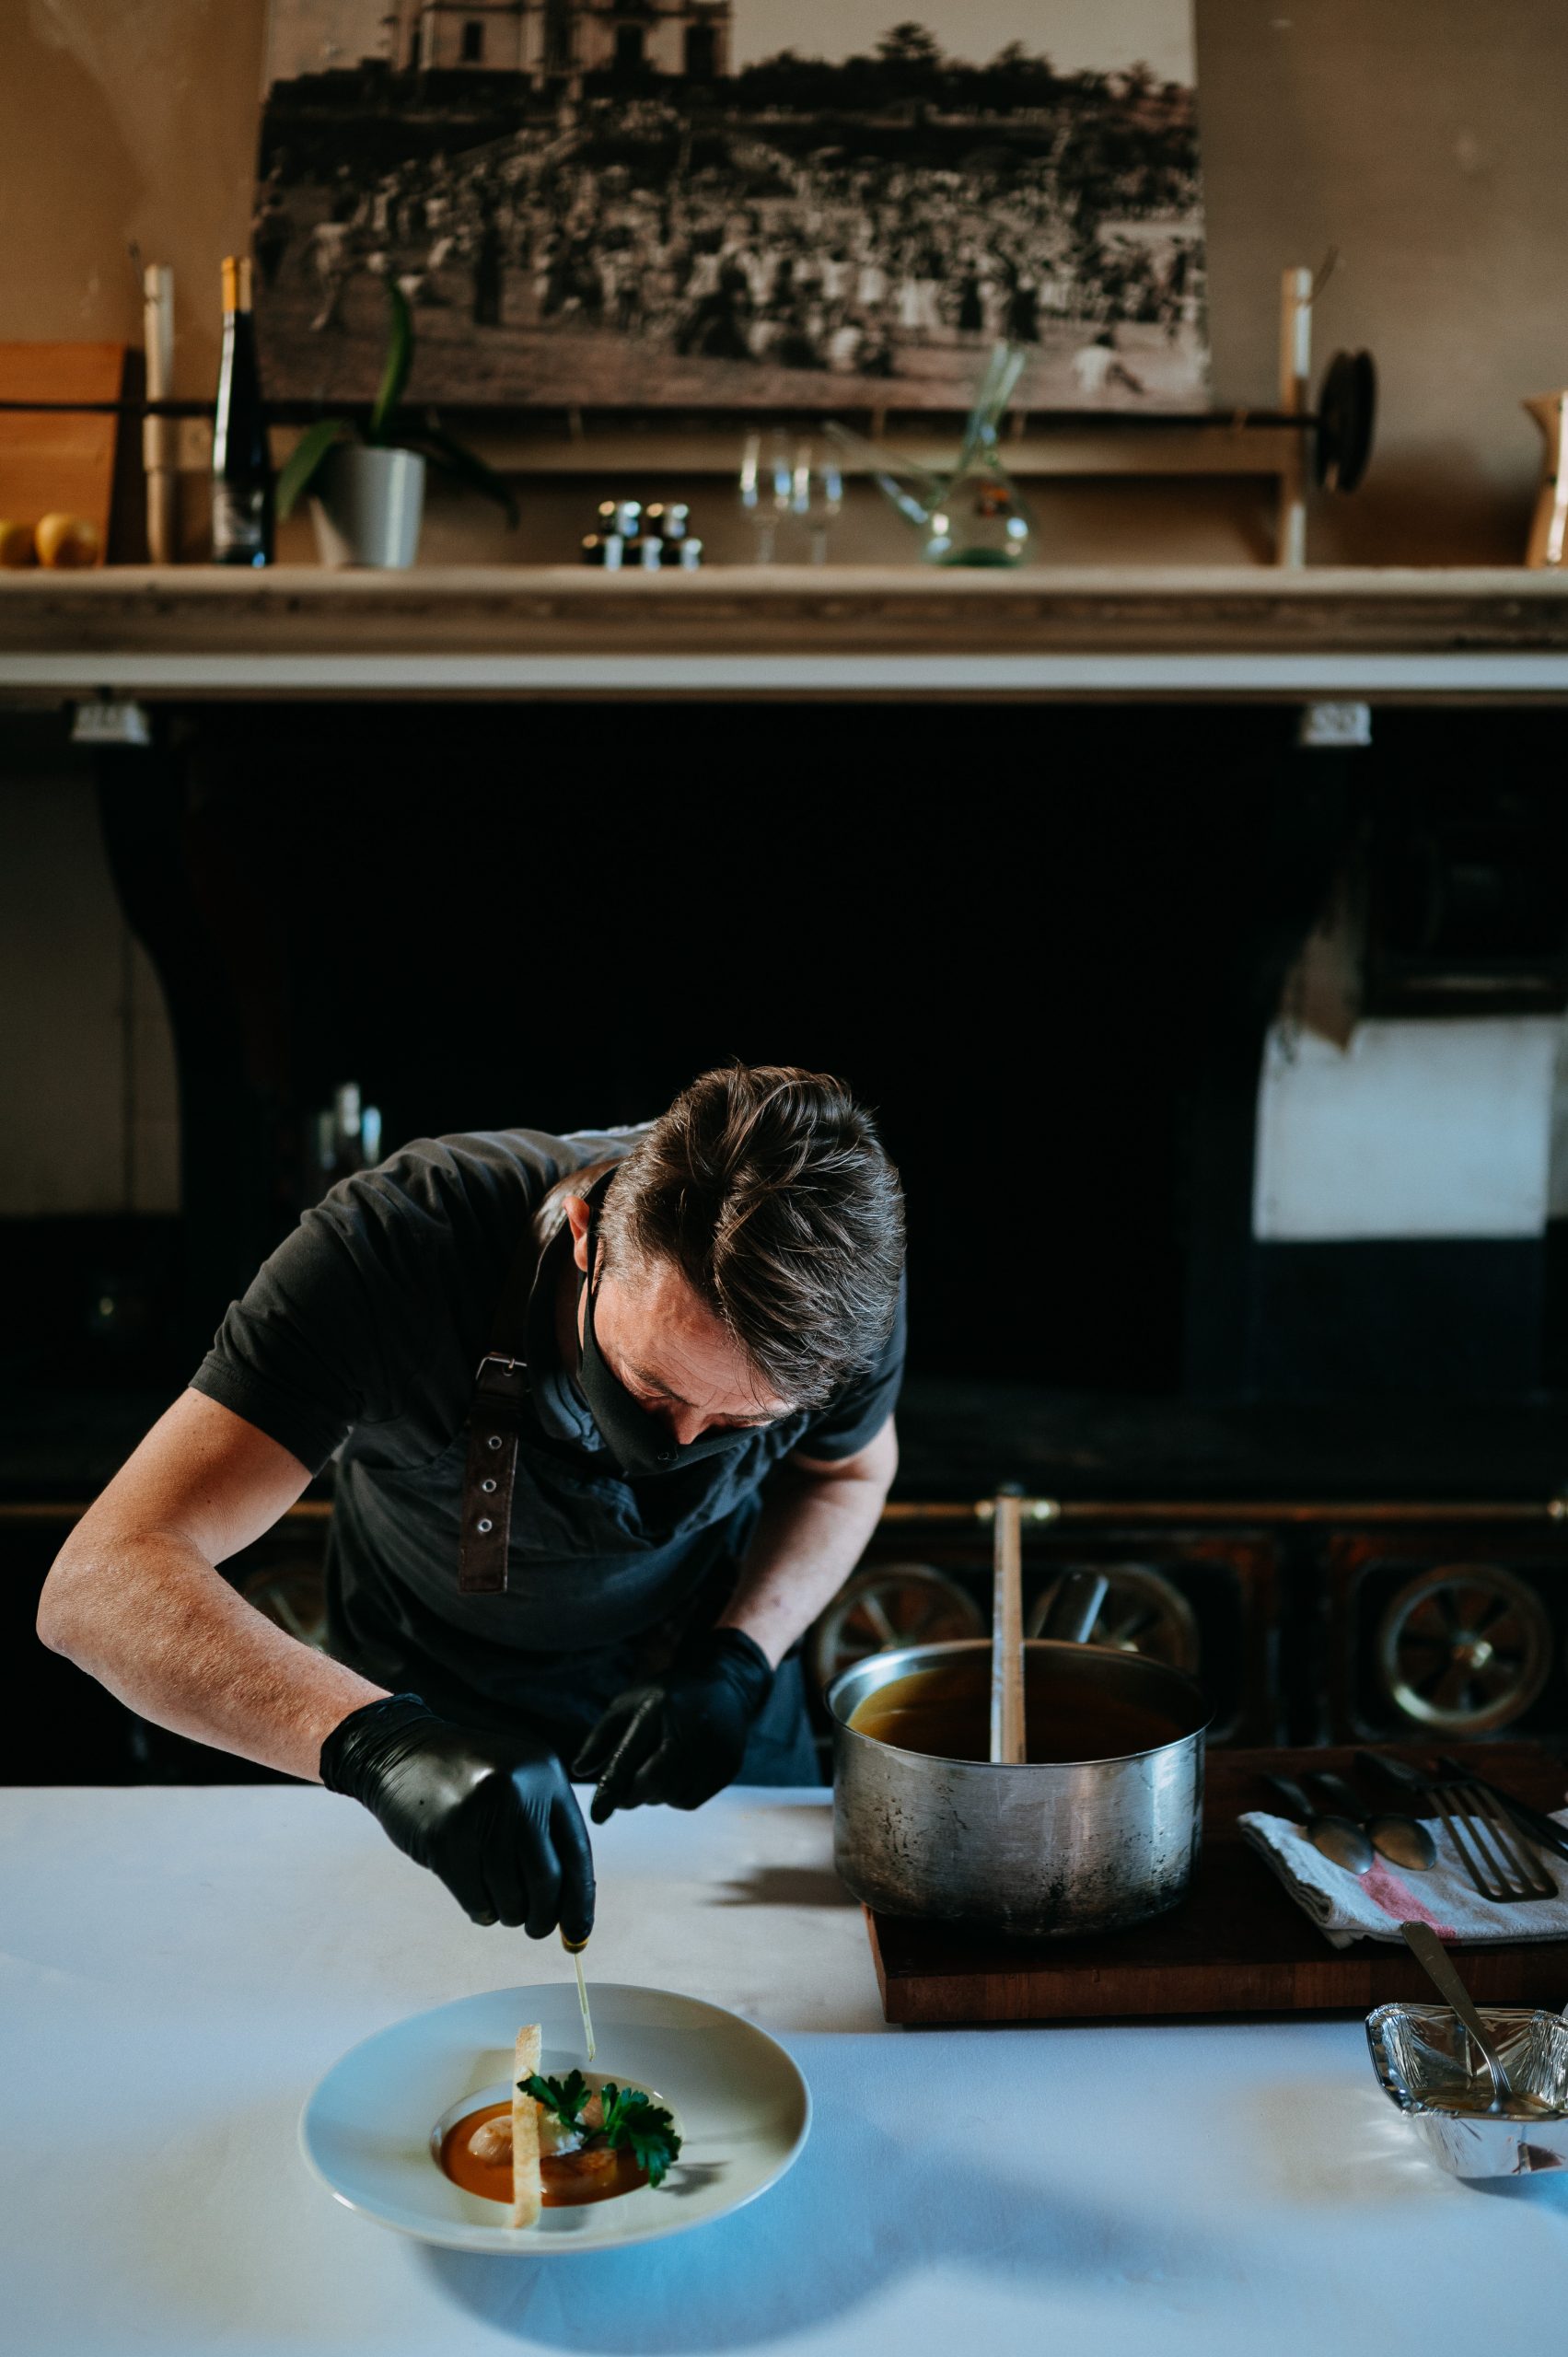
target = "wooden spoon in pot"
x: 1074, y: 1608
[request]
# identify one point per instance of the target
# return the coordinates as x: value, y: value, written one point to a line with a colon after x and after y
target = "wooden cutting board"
x: 1236, y: 1945
x: 51, y: 459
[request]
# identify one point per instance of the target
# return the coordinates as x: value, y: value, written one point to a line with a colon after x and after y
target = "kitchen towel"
x: 1347, y: 1907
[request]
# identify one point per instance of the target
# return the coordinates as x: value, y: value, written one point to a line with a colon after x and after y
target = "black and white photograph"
x: 734, y: 204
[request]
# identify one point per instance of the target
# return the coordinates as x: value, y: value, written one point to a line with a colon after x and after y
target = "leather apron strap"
x: 500, y: 1403
x: 490, y: 1470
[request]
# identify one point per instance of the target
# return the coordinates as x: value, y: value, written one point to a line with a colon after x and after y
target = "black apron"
x: 565, y: 1584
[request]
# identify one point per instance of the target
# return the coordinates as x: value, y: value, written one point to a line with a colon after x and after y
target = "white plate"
x: 740, y: 2103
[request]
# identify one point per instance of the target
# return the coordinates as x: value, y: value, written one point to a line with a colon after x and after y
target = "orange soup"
x: 946, y: 1712
x: 569, y: 2179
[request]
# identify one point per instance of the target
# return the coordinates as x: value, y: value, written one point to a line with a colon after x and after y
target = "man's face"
x: 671, y: 1353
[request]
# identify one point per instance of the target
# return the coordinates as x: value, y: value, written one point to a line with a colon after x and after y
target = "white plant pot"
x: 368, y: 505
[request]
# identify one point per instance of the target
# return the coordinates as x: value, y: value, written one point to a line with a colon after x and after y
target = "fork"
x: 1491, y: 1850
x: 1541, y: 1831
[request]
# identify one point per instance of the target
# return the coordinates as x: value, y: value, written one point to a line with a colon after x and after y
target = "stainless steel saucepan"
x: 1051, y: 1849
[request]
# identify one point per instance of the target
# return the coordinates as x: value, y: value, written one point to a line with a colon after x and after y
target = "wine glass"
x: 767, y: 484
x: 816, y: 494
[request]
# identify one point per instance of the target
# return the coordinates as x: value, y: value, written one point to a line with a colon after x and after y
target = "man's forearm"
x: 812, y: 1534
x: 153, y: 1621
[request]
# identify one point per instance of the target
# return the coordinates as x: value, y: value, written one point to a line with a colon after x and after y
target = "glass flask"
x: 970, y: 513
x: 983, y: 519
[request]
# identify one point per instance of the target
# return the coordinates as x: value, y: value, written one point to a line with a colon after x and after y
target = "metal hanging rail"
x: 980, y: 1513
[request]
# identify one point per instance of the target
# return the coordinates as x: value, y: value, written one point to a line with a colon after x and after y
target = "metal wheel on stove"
x: 887, y: 1605
x: 1464, y: 1648
x: 1143, y: 1612
x: 293, y: 1595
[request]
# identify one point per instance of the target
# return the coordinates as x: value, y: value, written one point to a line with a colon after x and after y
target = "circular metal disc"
x: 293, y: 1595
x: 1464, y: 1648
x: 1143, y: 1612
x: 887, y: 1605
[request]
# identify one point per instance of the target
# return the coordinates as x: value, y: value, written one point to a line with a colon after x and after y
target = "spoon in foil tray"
x: 1432, y: 1958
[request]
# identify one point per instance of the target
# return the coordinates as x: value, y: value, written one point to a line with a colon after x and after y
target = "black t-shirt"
x: 360, y: 1338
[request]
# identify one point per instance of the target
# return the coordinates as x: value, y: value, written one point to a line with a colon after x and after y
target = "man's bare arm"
x: 817, y: 1518
x: 134, y: 1597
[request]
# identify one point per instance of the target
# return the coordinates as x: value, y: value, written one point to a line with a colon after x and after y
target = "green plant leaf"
x: 633, y: 2121
x: 303, y: 461
x: 638, y: 2125
x: 444, y: 450
x: 566, y: 2097
x: 395, y: 375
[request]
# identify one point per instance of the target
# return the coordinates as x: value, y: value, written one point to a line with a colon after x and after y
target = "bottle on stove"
x: 242, y: 466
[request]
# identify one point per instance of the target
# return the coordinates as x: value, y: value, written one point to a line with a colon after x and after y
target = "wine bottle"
x: 242, y: 466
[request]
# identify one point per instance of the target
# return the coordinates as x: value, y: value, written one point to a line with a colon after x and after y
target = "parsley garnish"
x: 566, y: 2097
x: 643, y: 2128
x: 633, y: 2121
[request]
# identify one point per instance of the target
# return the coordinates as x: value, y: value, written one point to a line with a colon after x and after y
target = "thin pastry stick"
x: 527, y: 2187
x: 576, y: 1954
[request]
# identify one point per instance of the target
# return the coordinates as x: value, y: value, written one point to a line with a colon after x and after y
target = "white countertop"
x: 178, y: 1965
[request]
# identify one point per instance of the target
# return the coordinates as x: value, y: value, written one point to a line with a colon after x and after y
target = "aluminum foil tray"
x: 1425, y: 2064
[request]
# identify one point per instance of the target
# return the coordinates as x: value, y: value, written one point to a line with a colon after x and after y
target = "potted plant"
x: 366, y: 483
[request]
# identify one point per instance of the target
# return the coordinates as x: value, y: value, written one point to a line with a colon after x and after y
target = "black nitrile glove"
x: 493, y: 1815
x: 681, y: 1737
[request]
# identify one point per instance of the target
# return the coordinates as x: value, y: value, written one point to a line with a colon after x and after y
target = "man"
x: 331, y: 244
x: 1097, y: 367
x: 600, y: 1551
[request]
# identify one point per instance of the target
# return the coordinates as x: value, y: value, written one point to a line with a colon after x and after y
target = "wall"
x: 1423, y: 137
x: 125, y: 121
x: 86, y: 1064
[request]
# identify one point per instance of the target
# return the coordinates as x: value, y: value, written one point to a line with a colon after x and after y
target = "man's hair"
x: 767, y: 1187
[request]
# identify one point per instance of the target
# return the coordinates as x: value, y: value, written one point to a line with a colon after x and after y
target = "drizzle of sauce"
x: 569, y: 2179
x: 946, y: 1712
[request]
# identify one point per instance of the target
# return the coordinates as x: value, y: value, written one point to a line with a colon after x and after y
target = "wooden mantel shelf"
x: 1369, y: 636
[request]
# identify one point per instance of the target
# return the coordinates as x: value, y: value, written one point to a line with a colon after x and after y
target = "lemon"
x: 65, y: 541
x: 15, y: 544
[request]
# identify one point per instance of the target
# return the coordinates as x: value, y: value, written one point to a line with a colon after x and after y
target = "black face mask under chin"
x: 639, y: 1443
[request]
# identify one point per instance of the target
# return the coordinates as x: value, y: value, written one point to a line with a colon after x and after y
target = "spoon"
x: 1435, y: 1961
x: 1008, y: 1738
x: 1337, y: 1837
x: 1070, y: 1619
x: 1402, y: 1840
